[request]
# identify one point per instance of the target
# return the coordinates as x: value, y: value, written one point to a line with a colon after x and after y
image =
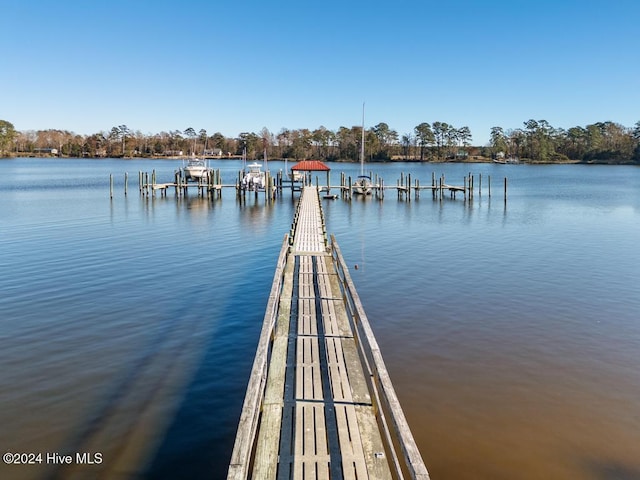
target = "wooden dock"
x: 212, y: 186
x: 320, y: 403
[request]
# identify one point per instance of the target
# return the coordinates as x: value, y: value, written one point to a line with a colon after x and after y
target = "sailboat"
x: 363, y: 184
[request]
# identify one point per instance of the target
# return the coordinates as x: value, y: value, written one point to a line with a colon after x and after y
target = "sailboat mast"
x: 362, y: 144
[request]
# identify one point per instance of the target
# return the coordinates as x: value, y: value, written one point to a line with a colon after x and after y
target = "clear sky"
x: 236, y: 66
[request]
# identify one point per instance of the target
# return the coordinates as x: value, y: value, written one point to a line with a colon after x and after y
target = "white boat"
x: 296, y: 176
x: 507, y: 160
x: 255, y: 178
x: 195, y: 169
x: 363, y: 184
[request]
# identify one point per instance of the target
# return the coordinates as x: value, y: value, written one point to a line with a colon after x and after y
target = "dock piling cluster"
x: 211, y: 185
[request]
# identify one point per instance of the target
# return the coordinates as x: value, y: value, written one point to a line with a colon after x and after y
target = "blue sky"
x: 236, y: 66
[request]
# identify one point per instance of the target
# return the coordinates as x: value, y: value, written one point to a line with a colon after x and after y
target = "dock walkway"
x: 320, y: 404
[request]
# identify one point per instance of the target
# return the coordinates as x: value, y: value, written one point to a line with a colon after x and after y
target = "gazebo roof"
x: 311, y: 166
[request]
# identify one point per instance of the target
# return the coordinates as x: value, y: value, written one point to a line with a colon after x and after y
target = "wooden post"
x: 480, y: 184
x: 111, y: 185
x: 271, y: 184
x: 274, y: 188
x: 266, y: 185
x: 465, y: 189
x: 126, y: 182
x: 344, y: 185
x: 433, y: 185
x: 505, y: 189
x: 489, y: 180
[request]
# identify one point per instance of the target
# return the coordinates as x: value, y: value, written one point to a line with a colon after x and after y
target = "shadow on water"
x: 612, y: 470
x: 199, y: 441
x: 136, y: 379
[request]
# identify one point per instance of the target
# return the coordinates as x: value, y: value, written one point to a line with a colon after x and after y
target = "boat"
x: 507, y: 160
x: 195, y: 169
x: 255, y: 178
x: 296, y: 176
x: 363, y: 184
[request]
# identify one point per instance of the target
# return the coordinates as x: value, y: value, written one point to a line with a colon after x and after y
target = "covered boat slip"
x: 320, y: 403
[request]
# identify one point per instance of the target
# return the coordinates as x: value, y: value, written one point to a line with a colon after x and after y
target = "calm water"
x: 511, y: 330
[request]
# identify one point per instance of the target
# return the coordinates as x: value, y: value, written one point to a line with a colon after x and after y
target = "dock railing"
x: 242, y: 455
x: 399, y: 441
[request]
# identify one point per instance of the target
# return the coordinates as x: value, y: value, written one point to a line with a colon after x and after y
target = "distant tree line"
x: 537, y: 141
x: 540, y: 142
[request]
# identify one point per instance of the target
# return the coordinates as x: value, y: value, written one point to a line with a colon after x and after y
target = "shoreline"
x: 370, y: 162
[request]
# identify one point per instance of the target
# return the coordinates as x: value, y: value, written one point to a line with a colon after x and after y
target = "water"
x: 511, y: 330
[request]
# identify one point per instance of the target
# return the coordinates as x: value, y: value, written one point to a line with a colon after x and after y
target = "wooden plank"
x: 266, y: 459
x: 353, y: 464
x: 342, y: 320
x: 372, y: 445
x: 340, y: 388
x: 355, y: 372
x: 307, y: 317
x: 310, y: 458
x: 330, y: 319
x: 267, y: 445
x: 308, y: 382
